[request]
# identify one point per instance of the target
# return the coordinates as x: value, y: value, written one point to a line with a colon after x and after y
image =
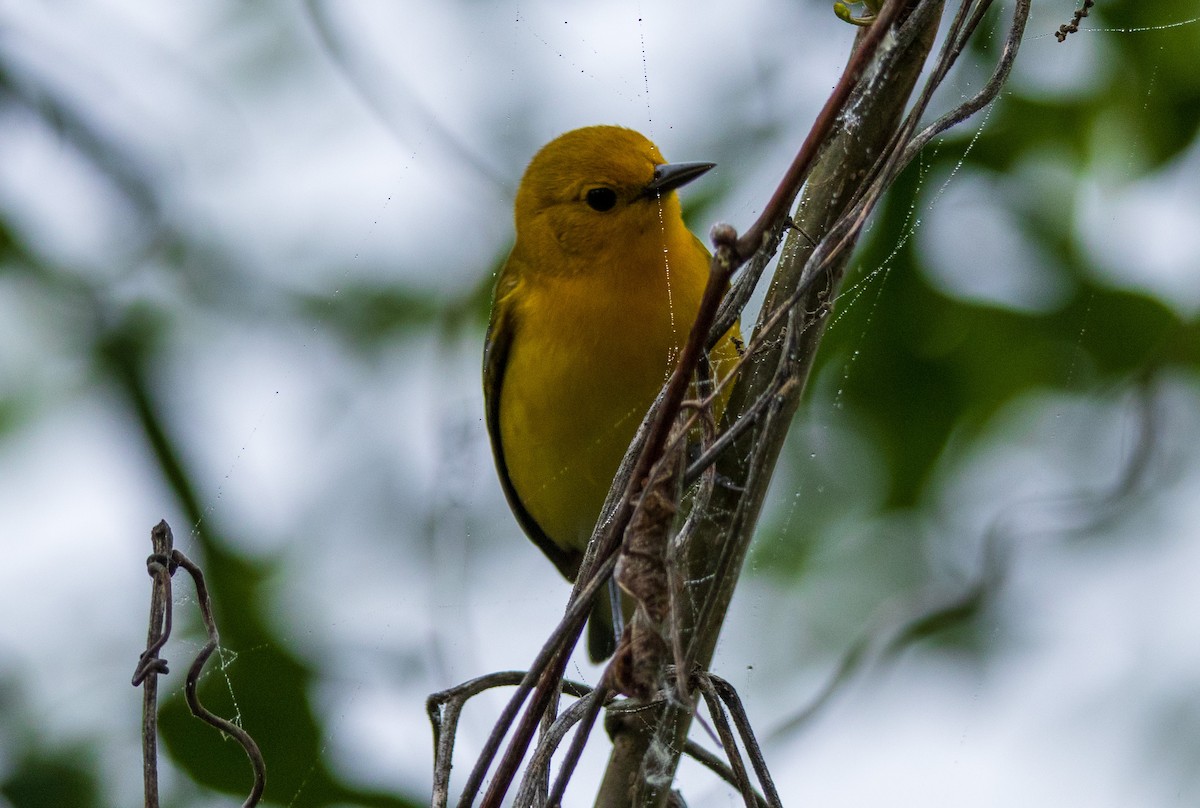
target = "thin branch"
x: 718, y: 767
x: 776, y: 209
x: 846, y: 230
x: 546, y: 685
x: 730, y: 253
x: 717, y: 552
x: 444, y: 709
x: 740, y: 720
x: 590, y: 710
x: 161, y: 566
x: 762, y: 238
x: 1071, y: 27
x: 567, y: 629
x: 150, y: 665
x: 741, y: 777
x: 986, y: 94
x: 731, y: 435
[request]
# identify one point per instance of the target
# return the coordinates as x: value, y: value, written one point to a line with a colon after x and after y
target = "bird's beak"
x: 669, y: 176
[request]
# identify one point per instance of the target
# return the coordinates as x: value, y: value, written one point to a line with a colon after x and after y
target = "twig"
x: 567, y: 629
x: 845, y: 231
x: 741, y: 777
x: 730, y: 253
x: 1071, y: 27
x: 776, y: 210
x: 986, y: 94
x: 761, y: 240
x: 740, y: 720
x: 730, y: 436
x: 546, y: 684
x: 786, y: 329
x: 444, y: 709
x: 161, y: 566
x: 589, y: 710
x: 150, y: 665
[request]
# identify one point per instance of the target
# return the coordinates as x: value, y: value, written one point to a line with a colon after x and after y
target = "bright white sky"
x: 399, y: 163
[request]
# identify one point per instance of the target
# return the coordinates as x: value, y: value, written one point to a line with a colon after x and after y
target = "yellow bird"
x: 589, y: 315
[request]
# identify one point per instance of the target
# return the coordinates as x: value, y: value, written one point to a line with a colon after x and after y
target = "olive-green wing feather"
x: 501, y: 331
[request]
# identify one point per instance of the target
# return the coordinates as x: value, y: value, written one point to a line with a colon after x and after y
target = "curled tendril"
x: 843, y: 12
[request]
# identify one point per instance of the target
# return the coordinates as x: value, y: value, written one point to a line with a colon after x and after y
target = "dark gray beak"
x: 669, y: 176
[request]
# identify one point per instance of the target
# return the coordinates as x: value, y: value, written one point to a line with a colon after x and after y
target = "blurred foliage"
x: 926, y: 366
x: 264, y: 674
x: 41, y: 773
x: 371, y: 318
x: 943, y: 364
x: 52, y: 778
x: 273, y: 690
x: 911, y: 366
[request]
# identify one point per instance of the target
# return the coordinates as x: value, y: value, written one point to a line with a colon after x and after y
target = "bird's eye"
x: 601, y: 199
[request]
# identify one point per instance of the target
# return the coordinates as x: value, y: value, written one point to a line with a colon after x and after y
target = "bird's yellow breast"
x: 589, y: 354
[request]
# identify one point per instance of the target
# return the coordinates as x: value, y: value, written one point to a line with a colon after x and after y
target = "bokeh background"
x: 246, y: 252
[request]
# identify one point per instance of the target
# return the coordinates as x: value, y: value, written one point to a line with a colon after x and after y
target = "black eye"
x: 601, y: 199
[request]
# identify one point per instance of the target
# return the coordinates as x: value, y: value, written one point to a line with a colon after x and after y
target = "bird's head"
x: 599, y: 191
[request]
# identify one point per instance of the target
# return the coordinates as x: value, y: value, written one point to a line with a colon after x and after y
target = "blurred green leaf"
x: 264, y: 689
x: 51, y: 779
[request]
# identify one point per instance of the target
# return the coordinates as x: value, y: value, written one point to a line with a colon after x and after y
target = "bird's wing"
x: 504, y: 325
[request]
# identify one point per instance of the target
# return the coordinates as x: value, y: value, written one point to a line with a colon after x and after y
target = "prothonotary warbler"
x: 589, y: 315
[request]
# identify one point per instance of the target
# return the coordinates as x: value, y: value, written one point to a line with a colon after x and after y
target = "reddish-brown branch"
x: 780, y: 203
